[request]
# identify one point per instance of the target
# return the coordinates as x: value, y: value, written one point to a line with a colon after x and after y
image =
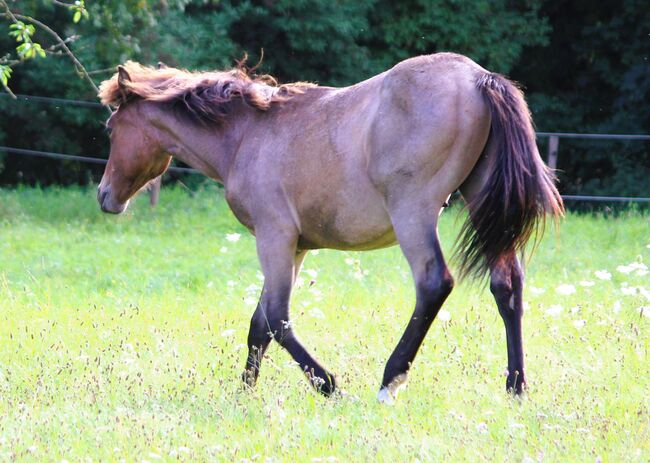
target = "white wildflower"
x: 616, y: 308
x: 554, y: 310
x: 444, y: 316
x: 644, y: 292
x: 565, y: 289
x: 603, y: 274
x: 317, y: 313
x: 223, y: 250
x: 312, y: 273
x: 227, y: 333
x: 252, y: 289
x: 638, y: 268
x: 535, y: 290
x: 587, y: 283
x: 482, y: 428
x: 628, y: 290
x: 579, y: 323
x: 233, y: 237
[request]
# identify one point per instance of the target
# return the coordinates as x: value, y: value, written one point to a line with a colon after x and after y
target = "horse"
x: 362, y: 167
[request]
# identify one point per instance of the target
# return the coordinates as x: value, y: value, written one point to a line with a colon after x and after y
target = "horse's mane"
x: 204, y: 95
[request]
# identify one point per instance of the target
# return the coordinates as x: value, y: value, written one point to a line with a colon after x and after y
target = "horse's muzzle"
x: 106, y: 202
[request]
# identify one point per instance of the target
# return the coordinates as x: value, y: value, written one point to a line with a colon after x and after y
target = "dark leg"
x: 280, y: 261
x: 506, y: 284
x: 260, y: 333
x: 259, y: 338
x: 433, y: 284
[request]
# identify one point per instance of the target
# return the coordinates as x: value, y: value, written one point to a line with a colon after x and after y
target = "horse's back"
x: 336, y: 158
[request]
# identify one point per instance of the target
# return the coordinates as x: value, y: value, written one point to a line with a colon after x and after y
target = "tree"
x: 582, y: 64
x: 23, y: 28
x: 594, y: 76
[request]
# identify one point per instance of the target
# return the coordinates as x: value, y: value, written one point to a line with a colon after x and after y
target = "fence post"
x: 553, y: 144
x: 154, y: 190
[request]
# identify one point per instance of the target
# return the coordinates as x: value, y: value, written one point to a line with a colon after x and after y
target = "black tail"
x: 518, y: 190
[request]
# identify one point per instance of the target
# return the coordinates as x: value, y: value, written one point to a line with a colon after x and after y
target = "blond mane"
x: 204, y: 95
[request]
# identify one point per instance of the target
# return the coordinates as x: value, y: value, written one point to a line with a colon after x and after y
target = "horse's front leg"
x: 277, y: 254
x: 259, y: 334
x: 506, y: 284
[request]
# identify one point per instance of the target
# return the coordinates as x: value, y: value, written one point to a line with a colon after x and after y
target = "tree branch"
x: 81, y: 70
x: 57, y: 2
x: 8, y: 90
x: 61, y: 43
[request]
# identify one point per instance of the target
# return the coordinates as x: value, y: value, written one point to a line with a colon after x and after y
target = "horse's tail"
x: 516, y: 190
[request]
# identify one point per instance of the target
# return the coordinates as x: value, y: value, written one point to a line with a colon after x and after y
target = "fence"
x: 552, y: 156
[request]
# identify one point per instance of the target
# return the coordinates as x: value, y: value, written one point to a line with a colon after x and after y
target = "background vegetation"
x: 124, y: 338
x: 584, y: 65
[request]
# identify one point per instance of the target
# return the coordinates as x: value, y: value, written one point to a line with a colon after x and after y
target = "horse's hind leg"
x: 417, y: 233
x: 506, y: 284
x: 260, y: 333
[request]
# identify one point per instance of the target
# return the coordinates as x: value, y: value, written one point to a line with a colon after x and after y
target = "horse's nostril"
x: 101, y: 195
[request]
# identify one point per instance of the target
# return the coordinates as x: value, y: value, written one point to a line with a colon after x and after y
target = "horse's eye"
x: 109, y: 130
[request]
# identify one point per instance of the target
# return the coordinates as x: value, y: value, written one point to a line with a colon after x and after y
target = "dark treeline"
x: 584, y: 66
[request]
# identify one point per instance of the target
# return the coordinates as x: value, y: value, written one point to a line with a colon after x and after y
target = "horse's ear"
x: 122, y: 76
x: 161, y: 65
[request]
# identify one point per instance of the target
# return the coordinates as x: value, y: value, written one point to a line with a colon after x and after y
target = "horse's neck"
x: 209, y: 150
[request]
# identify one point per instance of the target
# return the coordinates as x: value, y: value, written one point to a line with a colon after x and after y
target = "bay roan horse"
x: 359, y: 168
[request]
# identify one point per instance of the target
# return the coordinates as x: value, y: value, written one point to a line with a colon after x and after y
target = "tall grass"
x: 124, y: 338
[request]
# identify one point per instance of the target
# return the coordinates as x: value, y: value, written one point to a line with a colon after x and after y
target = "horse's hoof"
x: 325, y: 386
x: 388, y: 394
x: 385, y: 397
x: 249, y: 378
x: 516, y: 384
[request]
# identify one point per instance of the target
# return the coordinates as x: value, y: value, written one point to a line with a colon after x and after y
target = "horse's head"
x: 136, y: 154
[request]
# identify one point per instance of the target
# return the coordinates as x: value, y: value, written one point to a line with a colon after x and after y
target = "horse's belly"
x: 355, y: 226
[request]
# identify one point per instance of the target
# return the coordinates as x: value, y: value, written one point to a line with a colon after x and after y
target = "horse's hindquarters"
x: 430, y: 128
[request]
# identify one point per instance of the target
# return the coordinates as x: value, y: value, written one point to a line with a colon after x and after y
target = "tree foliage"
x: 584, y: 64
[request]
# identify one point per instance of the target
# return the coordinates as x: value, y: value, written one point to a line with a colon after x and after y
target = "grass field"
x: 124, y: 338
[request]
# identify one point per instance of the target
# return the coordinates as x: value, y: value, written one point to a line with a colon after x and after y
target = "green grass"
x: 123, y: 338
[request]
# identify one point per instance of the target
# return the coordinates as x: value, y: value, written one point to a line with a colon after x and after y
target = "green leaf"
x: 38, y: 49
x: 77, y: 16
x: 5, y: 73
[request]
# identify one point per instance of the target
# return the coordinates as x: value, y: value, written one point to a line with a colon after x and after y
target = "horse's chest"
x: 239, y: 208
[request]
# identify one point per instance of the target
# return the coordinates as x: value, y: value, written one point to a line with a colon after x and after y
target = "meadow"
x: 123, y: 338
